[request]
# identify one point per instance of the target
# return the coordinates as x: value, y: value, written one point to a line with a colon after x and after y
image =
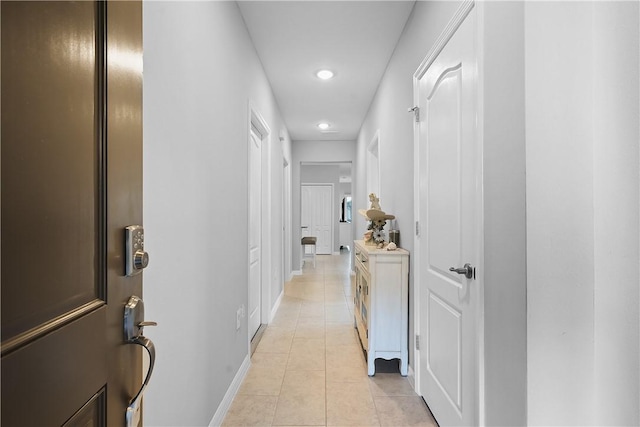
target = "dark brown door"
x: 71, y: 181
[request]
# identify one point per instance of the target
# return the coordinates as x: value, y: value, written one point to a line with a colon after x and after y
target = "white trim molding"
x: 256, y: 119
x: 276, y: 306
x: 227, y: 400
x: 444, y: 37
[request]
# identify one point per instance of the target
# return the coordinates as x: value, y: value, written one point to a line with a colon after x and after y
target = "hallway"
x: 309, y: 368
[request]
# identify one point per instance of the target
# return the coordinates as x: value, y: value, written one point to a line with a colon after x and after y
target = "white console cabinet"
x: 381, y: 298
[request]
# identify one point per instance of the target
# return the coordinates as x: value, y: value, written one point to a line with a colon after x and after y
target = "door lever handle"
x: 133, y: 330
x: 133, y: 410
x: 466, y: 270
x: 147, y: 323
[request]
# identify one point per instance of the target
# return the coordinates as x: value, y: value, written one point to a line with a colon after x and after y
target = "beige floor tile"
x: 276, y: 361
x: 348, y: 338
x: 313, y: 296
x: 304, y: 360
x: 293, y: 312
x: 300, y: 408
x: 346, y: 374
x: 308, y: 344
x: 400, y: 411
x: 350, y: 404
x: 312, y: 309
x: 342, y: 317
x: 345, y: 355
x: 342, y: 302
x: 304, y: 381
x: 290, y: 307
x: 285, y: 322
x: 334, y: 286
x: 336, y: 274
x: 339, y: 328
x: 313, y: 320
x: 309, y: 330
x: 338, y: 300
x: 263, y: 381
x: 276, y: 340
x: 251, y: 411
x: 309, y: 369
x: 285, y: 319
x: 383, y: 384
x: 302, y: 399
x: 308, y: 276
x: 313, y: 286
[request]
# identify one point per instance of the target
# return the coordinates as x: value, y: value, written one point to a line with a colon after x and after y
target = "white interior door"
x: 317, y: 216
x: 255, y: 221
x: 448, y: 186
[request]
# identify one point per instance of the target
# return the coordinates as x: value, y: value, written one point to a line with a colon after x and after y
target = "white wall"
x: 504, y: 272
x: 504, y: 213
x: 579, y: 273
x: 200, y: 72
x: 582, y: 114
x: 312, y: 152
x: 504, y: 387
x: 582, y: 223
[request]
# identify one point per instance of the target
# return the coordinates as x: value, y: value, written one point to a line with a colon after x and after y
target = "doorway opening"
x: 339, y: 217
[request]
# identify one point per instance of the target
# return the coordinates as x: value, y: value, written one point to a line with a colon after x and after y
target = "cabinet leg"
x: 371, y: 366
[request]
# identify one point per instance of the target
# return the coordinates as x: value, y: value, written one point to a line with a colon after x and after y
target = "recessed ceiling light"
x: 323, y: 126
x: 324, y: 74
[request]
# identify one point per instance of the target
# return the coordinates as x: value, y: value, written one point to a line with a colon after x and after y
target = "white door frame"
x: 333, y: 195
x: 255, y: 118
x: 465, y: 8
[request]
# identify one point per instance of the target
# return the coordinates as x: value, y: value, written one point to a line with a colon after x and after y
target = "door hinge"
x: 416, y: 112
x: 417, y: 342
x: 418, y: 228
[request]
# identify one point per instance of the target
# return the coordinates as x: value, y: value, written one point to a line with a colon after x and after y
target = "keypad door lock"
x: 136, y: 257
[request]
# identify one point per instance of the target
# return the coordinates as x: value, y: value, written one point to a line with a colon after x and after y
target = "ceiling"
x: 354, y: 39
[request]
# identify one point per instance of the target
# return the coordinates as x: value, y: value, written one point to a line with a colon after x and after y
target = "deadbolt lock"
x: 136, y: 257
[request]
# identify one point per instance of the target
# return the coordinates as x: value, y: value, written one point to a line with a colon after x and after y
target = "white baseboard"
x: 296, y: 273
x: 411, y: 376
x: 276, y: 306
x: 224, y: 406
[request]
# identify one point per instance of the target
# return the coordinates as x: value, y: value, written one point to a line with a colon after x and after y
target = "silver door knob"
x: 140, y: 260
x: 467, y: 270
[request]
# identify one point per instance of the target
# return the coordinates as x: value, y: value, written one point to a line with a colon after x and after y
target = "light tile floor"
x: 309, y: 369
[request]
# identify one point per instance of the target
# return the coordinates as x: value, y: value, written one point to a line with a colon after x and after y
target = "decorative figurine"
x: 377, y: 220
x: 375, y: 202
